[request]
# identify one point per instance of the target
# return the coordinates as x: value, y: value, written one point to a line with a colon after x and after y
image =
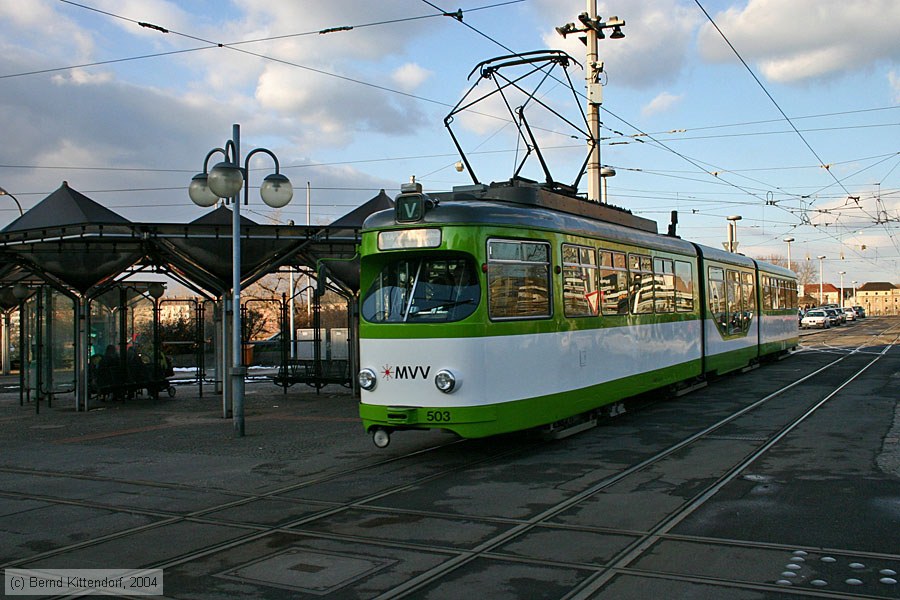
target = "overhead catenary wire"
x: 705, y: 171
x: 457, y: 16
x: 769, y: 95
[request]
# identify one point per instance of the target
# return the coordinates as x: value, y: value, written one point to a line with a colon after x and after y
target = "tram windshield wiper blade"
x: 452, y: 304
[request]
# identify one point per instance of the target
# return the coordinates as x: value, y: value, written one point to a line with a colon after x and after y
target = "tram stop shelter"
x: 73, y: 269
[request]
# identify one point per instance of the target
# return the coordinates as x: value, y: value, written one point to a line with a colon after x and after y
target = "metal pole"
x: 84, y: 341
x: 5, y: 336
x: 593, y: 107
x: 821, y: 278
x: 308, y: 282
x: 39, y: 354
x: 157, y: 351
x: 199, y: 310
x: 237, y: 370
x: 24, y: 350
x: 842, y: 273
x: 290, y: 336
x: 788, y: 241
x: 223, y: 356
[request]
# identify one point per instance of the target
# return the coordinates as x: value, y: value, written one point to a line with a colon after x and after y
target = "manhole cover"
x: 313, y: 572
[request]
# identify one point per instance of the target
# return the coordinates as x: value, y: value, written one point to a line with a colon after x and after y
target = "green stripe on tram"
x: 505, y: 417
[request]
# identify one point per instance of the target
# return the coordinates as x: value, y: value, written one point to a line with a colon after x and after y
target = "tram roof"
x: 509, y: 214
x: 734, y: 258
x: 527, y: 205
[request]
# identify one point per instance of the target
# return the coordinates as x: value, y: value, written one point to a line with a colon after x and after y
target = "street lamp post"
x: 732, y: 233
x: 592, y: 28
x: 853, y: 283
x: 606, y: 173
x: 821, y: 278
x: 788, y: 241
x: 842, y: 273
x: 16, y: 200
x: 225, y: 181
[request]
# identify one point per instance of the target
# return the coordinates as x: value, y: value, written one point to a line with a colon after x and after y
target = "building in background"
x: 830, y: 294
x: 878, y: 298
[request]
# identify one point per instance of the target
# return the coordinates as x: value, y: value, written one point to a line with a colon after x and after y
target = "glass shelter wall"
x: 124, y: 357
x: 47, y: 337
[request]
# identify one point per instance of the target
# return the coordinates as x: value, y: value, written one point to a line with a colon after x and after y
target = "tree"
x: 806, y: 271
x: 256, y: 321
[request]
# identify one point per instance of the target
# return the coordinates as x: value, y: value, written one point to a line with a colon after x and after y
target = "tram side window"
x: 790, y: 294
x: 579, y: 272
x: 749, y: 294
x: 733, y: 296
x: 641, y: 290
x: 664, y: 292
x: 684, y: 286
x: 716, y: 294
x: 518, y: 279
x: 613, y: 283
x: 767, y: 293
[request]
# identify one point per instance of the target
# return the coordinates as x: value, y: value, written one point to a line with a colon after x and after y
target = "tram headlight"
x: 367, y: 379
x: 445, y: 381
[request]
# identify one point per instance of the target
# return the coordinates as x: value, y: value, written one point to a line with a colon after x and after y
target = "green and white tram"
x: 495, y: 309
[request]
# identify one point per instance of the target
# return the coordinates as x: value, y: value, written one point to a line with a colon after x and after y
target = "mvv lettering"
x: 409, y: 372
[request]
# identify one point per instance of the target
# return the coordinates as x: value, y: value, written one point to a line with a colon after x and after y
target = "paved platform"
x: 305, y: 506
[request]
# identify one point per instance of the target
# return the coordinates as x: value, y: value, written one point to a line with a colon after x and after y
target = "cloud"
x: 894, y: 82
x: 803, y: 40
x: 82, y: 77
x: 275, y: 94
x: 163, y: 13
x: 657, y: 44
x: 661, y: 103
x: 410, y: 76
x: 34, y: 23
x: 330, y: 112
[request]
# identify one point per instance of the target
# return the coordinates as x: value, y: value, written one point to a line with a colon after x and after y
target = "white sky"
x: 355, y: 111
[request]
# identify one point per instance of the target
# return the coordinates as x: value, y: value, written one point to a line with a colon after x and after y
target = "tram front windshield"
x: 423, y: 290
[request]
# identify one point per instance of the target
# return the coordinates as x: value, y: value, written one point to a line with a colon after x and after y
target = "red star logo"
x: 386, y: 372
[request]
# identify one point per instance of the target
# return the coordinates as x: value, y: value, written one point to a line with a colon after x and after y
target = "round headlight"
x: 367, y: 379
x: 445, y: 381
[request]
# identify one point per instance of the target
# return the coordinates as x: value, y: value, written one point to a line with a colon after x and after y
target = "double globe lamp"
x: 226, y: 179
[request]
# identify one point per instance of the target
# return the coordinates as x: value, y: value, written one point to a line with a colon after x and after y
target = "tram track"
x: 199, y: 515
x: 637, y: 549
x: 594, y: 583
x: 488, y: 548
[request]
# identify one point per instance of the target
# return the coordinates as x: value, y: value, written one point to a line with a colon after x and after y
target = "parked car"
x: 860, y: 312
x: 815, y: 318
x: 850, y: 313
x: 836, y: 315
